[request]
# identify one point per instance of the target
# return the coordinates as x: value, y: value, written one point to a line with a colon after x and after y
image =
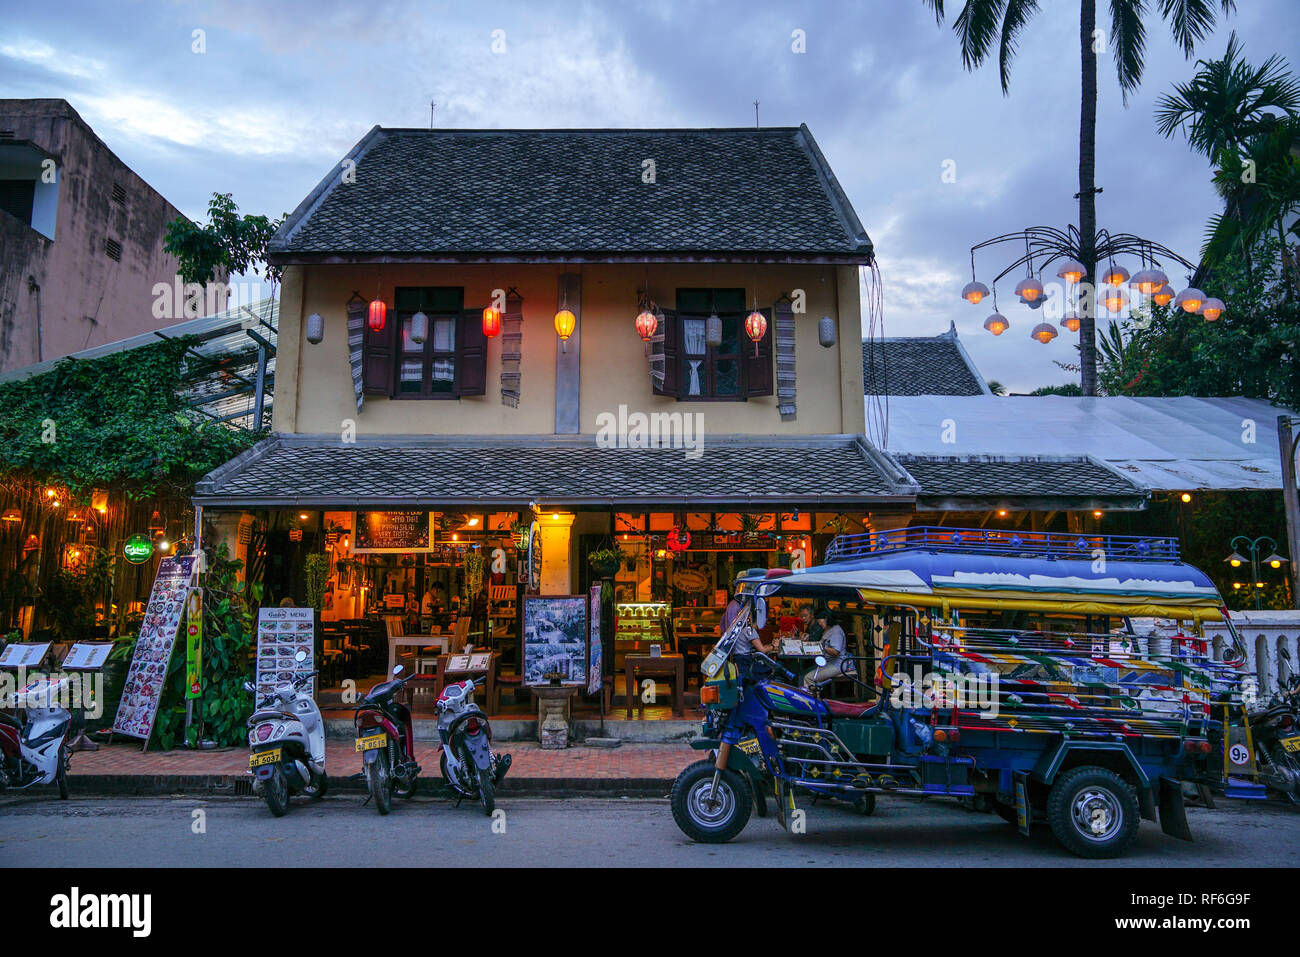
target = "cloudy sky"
x: 284, y: 89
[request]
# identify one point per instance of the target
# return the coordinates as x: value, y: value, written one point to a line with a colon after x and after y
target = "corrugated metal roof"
x: 1181, y: 443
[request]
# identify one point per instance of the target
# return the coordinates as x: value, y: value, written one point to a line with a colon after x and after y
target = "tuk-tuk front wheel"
x: 709, y: 814
x: 1093, y: 812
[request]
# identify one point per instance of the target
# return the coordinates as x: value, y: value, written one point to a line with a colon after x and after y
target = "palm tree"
x: 996, y: 387
x: 982, y: 22
x: 1228, y: 101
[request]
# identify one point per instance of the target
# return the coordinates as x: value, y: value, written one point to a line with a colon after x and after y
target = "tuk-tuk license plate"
x: 372, y: 741
x: 750, y: 746
x: 270, y: 756
x: 1292, y: 744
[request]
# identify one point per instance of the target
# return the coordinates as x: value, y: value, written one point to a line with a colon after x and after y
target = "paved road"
x: 580, y: 832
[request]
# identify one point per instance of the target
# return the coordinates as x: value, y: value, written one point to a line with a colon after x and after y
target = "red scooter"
x: 386, y: 741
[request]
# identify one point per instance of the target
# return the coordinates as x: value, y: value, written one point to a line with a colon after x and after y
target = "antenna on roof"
x: 433, y: 106
x: 756, y: 114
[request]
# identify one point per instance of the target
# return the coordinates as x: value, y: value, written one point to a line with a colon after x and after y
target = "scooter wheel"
x: 61, y: 775
x: 317, y: 791
x: 276, y: 791
x: 486, y: 796
x: 710, y: 818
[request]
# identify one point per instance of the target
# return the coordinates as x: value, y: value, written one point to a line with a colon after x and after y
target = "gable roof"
x: 917, y: 365
x: 572, y: 195
x: 1041, y: 482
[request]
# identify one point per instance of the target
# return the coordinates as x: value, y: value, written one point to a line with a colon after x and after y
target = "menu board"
x: 594, y: 664
x: 555, y: 639
x: 398, y: 531
x: 87, y: 656
x: 281, y: 634
x: 23, y: 656
x: 153, y: 649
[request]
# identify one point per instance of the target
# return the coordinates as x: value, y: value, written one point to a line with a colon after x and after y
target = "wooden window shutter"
x: 672, y: 330
x: 378, y: 362
x: 471, y: 356
x: 758, y: 369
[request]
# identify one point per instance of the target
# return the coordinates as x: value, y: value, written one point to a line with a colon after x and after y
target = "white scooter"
x: 287, y: 736
x: 35, y: 751
x: 467, y: 762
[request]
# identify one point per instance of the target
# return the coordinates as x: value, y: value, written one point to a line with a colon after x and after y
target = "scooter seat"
x: 848, y: 709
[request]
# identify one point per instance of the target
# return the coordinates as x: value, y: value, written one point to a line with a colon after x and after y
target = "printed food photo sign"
x: 281, y: 634
x: 142, y: 691
x: 555, y: 639
x: 393, y: 531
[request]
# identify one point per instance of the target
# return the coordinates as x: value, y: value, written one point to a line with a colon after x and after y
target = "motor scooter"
x: 467, y: 763
x: 386, y: 742
x: 35, y: 750
x: 1276, y: 736
x: 287, y: 737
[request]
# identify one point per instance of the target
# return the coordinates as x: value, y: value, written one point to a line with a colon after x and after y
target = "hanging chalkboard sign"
x: 392, y: 531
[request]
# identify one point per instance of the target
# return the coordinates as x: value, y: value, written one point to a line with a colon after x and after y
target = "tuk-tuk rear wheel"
x: 1093, y: 812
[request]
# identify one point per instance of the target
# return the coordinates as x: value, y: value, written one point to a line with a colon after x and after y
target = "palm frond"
x: 1191, y: 21
x: 937, y: 7
x: 1017, y: 16
x: 976, y: 26
x: 1128, y: 41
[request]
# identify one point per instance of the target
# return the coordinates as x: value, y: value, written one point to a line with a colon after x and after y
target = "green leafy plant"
x: 316, y: 571
x: 473, y: 563
x: 229, y: 243
x: 68, y: 596
x: 606, y: 559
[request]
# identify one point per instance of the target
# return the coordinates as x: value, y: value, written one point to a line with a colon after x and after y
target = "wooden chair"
x: 460, y: 635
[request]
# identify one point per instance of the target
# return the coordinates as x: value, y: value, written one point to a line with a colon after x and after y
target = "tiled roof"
x: 574, y: 192
x: 1018, y: 479
x: 936, y: 365
x: 298, y: 469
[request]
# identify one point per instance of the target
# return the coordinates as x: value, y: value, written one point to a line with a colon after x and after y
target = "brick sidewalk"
x: 631, y: 762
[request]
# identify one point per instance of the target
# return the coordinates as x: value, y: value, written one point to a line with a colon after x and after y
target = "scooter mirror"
x: 397, y: 670
x: 819, y: 661
x: 248, y: 686
x: 301, y: 656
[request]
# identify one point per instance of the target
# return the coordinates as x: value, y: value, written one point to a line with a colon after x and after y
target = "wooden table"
x: 649, y: 666
x: 414, y: 641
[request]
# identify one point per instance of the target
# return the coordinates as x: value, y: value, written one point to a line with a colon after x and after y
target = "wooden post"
x: 1290, y: 499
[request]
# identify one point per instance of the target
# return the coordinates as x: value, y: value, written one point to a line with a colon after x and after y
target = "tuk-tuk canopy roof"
x: 977, y: 568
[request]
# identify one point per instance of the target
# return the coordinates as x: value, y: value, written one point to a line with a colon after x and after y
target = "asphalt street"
x: 188, y: 832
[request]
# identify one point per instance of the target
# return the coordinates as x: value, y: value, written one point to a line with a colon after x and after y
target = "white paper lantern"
x: 315, y: 328
x: 826, y: 331
x: 713, y: 330
x: 419, y: 328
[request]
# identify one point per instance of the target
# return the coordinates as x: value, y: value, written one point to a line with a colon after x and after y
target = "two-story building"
x: 548, y: 342
x: 81, y: 238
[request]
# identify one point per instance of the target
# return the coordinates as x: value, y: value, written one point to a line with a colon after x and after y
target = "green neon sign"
x: 138, y: 549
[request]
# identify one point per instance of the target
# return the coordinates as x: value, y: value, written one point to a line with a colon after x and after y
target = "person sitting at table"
x: 834, y: 649
x: 811, y: 630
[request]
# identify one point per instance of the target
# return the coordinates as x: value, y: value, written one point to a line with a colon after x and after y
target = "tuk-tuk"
x: 994, y: 666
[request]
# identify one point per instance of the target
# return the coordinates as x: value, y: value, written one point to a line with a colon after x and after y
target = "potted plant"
x: 606, y: 559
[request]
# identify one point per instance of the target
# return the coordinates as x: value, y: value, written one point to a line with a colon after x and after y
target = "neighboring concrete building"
x: 81, y: 238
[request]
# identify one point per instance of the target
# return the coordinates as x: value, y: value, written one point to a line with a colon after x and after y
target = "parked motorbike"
x: 287, y: 737
x: 35, y: 750
x: 467, y: 763
x: 386, y: 742
x: 1276, y: 731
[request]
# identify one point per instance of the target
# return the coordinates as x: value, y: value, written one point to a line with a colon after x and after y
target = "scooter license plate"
x: 270, y: 756
x: 372, y: 741
x: 750, y: 746
x: 1292, y: 744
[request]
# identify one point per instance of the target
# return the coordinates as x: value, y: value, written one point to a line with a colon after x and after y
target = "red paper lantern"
x: 491, y: 322
x: 378, y: 315
x: 756, y: 327
x: 679, y: 539
x: 647, y: 323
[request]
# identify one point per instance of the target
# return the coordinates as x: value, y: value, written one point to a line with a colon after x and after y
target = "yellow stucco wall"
x: 314, y: 386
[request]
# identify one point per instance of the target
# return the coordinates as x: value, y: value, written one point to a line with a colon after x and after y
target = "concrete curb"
x: 239, y: 785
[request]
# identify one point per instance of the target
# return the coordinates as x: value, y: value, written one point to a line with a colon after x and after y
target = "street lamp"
x: 1253, y: 547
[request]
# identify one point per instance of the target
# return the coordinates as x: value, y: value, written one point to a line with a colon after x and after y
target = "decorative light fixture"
x: 1147, y: 281
x: 565, y: 323
x: 74, y: 515
x: 11, y: 515
x: 1235, y: 560
x: 31, y: 543
x: 826, y: 332
x: 1115, y: 299
x: 1186, y: 497
x: 713, y: 330
x: 756, y: 328
x: 1071, y: 270
x: 1163, y: 296
x: 419, y: 328
x: 974, y: 292
x: 997, y: 324
x: 491, y: 322
x: 1275, y: 560
x: 1115, y: 275
x: 315, y: 328
x: 377, y: 315
x: 1043, y: 332
x: 99, y: 501
x: 1212, y: 309
x: 1191, y: 299
x: 1072, y: 322
x: 1029, y: 289
x: 647, y: 324
x: 679, y: 539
